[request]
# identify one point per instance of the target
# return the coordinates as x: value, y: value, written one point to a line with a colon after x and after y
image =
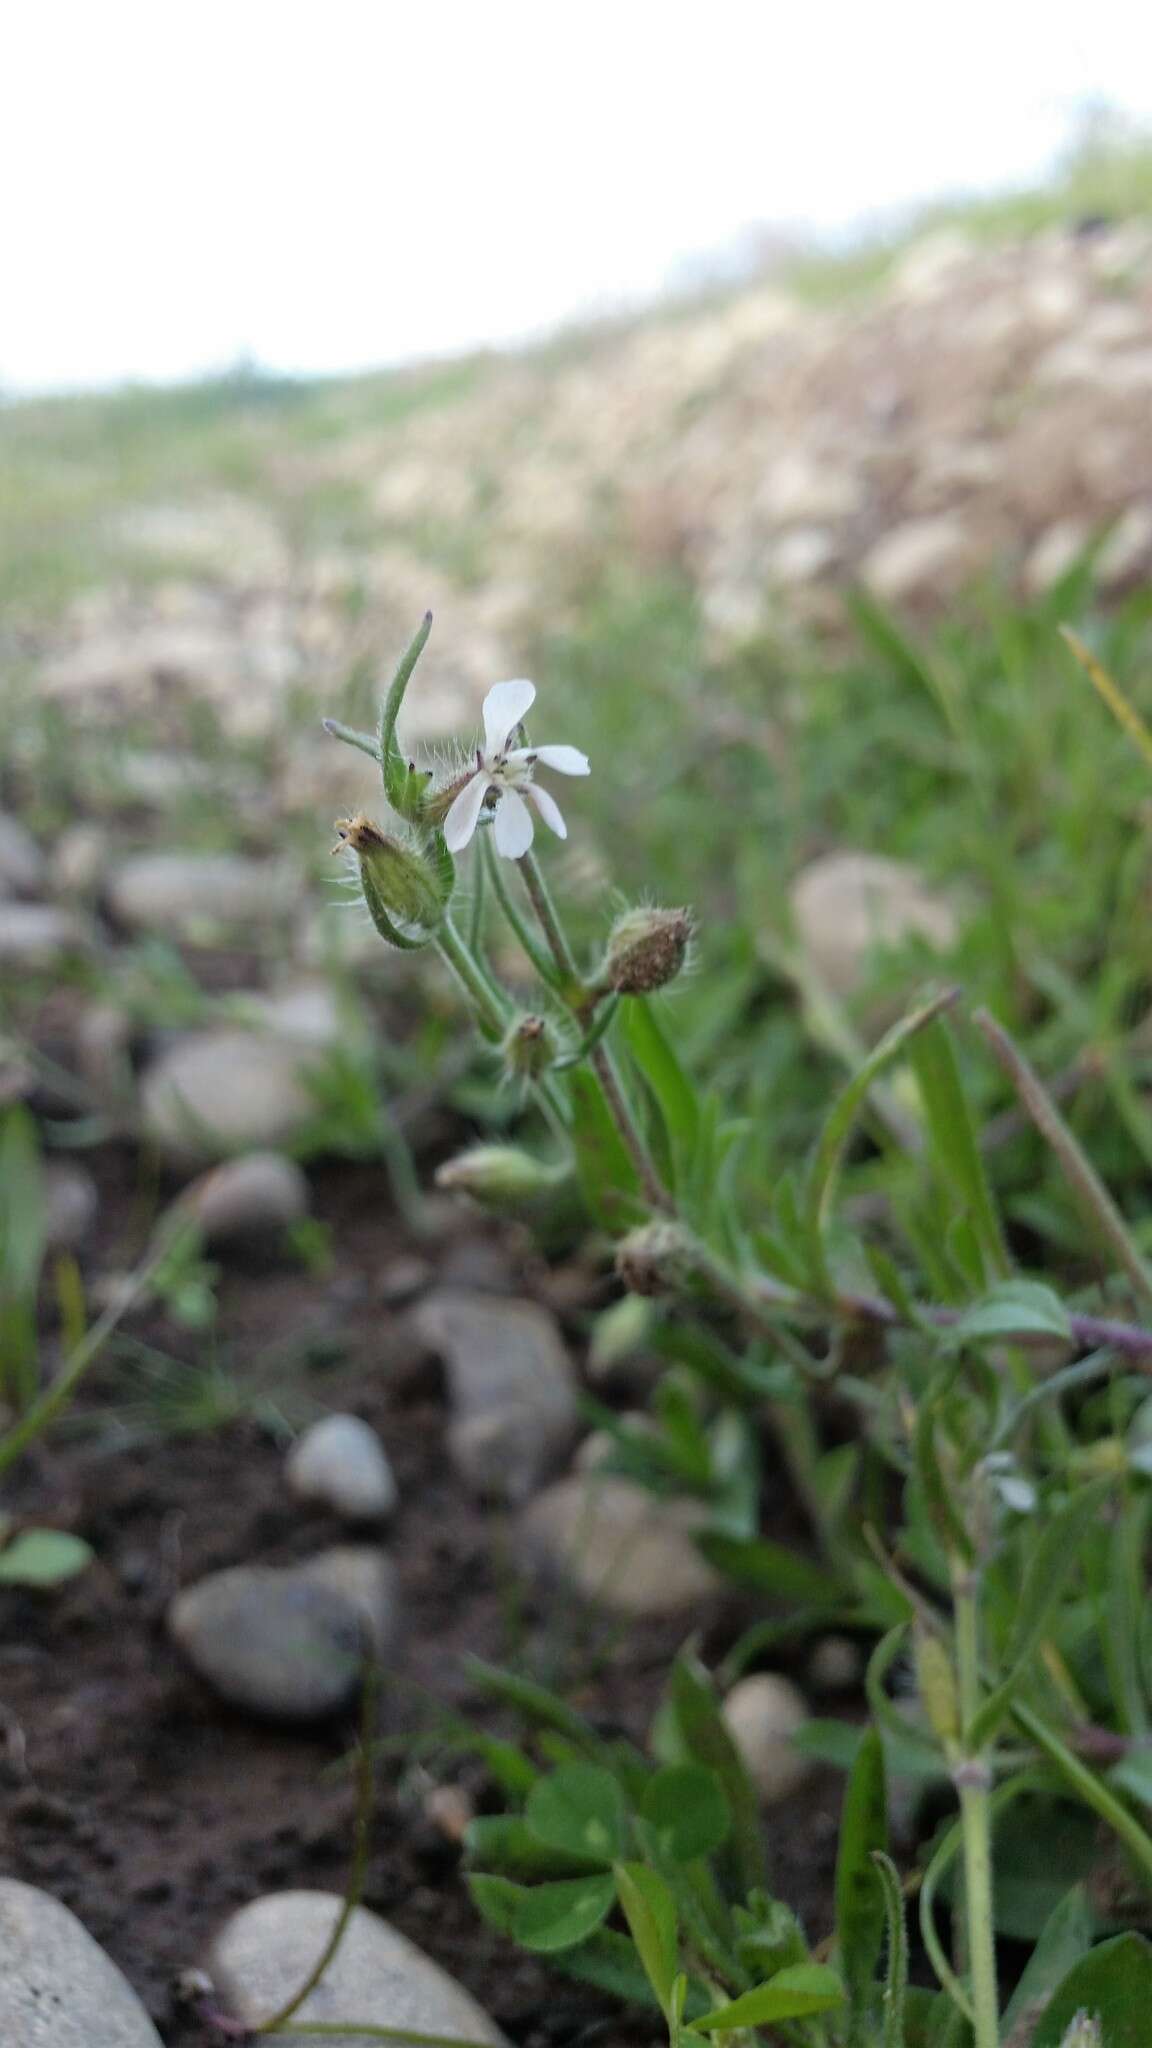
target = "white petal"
x: 464, y: 814
x: 549, y: 809
x: 504, y: 707
x: 565, y: 760
x: 513, y: 826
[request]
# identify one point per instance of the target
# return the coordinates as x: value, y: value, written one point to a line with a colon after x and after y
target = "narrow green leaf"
x: 650, y: 1910
x: 366, y: 741
x: 608, y: 1178
x: 792, y: 1994
x: 1114, y: 1982
x: 1053, y: 1558
x: 859, y: 1898
x: 579, y: 1809
x: 671, y: 1089
x: 896, y: 1975
x: 953, y: 1140
x: 826, y: 1161
x: 1016, y: 1308
x: 772, y: 1569
x: 703, y: 1735
x: 685, y: 1807
x: 544, y: 1708
x: 1067, y: 1935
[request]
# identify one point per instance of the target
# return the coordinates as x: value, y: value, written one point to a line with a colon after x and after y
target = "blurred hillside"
x: 976, y: 403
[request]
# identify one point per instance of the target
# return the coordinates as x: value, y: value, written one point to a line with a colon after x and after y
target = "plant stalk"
x: 973, y: 1781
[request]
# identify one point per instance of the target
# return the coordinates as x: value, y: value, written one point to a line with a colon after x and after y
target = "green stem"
x: 1088, y: 1786
x: 535, y: 955
x: 471, y: 977
x: 575, y: 993
x: 972, y: 1777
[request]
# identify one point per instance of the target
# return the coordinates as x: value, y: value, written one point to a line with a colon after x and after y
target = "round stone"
x: 224, y: 1091
x: 185, y: 894
x: 341, y: 1462
x: 617, y: 1545
x: 763, y: 1713
x: 273, y: 1641
x: 846, y: 906
x: 259, y: 1191
x: 22, y: 865
x: 58, y: 1989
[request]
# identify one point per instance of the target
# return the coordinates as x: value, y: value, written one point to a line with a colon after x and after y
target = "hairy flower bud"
x: 646, y: 949
x: 438, y: 802
x: 529, y: 1047
x: 654, y: 1259
x: 498, y: 1176
x: 400, y: 888
x: 936, y: 1685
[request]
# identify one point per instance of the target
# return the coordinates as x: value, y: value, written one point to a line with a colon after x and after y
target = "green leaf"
x: 535, y: 1702
x: 545, y: 1917
x: 608, y: 1179
x: 580, y: 1810
x: 824, y: 1170
x: 953, y: 1140
x: 505, y: 1843
x: 671, y: 1089
x: 1114, y: 1982
x: 1053, y: 1557
x: 685, y: 1807
x: 791, y: 1995
x: 1067, y: 1936
x: 772, y: 1569
x: 650, y: 1910
x: 859, y: 1898
x: 366, y: 741
x: 703, y: 1736
x: 43, y: 1557
x: 896, y: 1975
x: 1017, y: 1308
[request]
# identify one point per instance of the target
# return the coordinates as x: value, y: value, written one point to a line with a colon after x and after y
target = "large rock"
x: 58, y: 1989
x: 846, y: 905
x: 244, y: 1197
x: 512, y: 1387
x: 613, y: 1543
x: 217, y: 1092
x: 341, y: 1462
x: 22, y: 865
x: 377, y: 1977
x: 188, y: 895
x: 283, y: 1643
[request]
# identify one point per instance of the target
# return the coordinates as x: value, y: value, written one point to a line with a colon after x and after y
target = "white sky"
x: 331, y: 186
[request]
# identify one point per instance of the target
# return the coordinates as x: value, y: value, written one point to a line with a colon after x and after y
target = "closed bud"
x: 654, y: 1259
x: 1083, y: 2031
x: 497, y: 1176
x: 936, y: 1685
x: 400, y: 888
x: 646, y: 950
x: 528, y: 1047
x: 436, y: 803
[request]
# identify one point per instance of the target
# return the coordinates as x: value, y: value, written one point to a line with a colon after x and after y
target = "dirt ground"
x: 153, y: 1810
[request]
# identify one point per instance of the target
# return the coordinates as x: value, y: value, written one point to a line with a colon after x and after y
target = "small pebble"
x: 614, y: 1543
x: 22, y: 865
x: 763, y: 1713
x: 341, y: 1462
x: 258, y: 1192
x: 271, y: 1641
x: 72, y: 1204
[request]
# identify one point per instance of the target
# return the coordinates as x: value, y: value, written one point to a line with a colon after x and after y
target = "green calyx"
x: 404, y: 890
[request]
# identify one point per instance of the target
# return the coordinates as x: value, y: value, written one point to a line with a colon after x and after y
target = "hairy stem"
x: 972, y: 1778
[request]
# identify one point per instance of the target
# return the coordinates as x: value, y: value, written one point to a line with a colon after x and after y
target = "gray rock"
x: 763, y: 1713
x: 79, y: 859
x: 39, y: 935
x: 512, y: 1388
x: 188, y: 894
x: 23, y: 869
x: 217, y: 1092
x: 846, y: 905
x: 306, y: 1012
x: 341, y: 1462
x: 263, y: 1954
x: 58, y: 1989
x: 72, y: 1203
x: 364, y: 1576
x: 259, y: 1191
x: 918, y: 557
x: 612, y: 1542
x: 274, y: 1641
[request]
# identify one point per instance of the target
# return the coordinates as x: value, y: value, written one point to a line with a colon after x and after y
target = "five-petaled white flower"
x: 508, y: 771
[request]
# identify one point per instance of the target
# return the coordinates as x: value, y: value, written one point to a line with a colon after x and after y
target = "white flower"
x: 510, y: 771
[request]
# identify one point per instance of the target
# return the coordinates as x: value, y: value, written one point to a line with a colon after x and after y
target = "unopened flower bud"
x: 529, y: 1047
x: 646, y: 949
x: 1083, y: 2031
x: 400, y: 888
x: 654, y: 1259
x: 497, y: 1176
x: 438, y: 802
x: 936, y: 1685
